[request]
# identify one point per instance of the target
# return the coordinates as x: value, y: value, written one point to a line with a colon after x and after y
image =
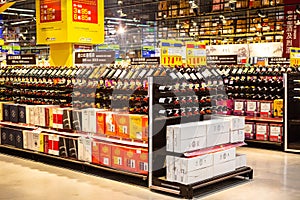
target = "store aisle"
x: 276, y: 176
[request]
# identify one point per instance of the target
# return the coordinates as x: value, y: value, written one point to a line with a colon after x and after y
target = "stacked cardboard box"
x: 199, y: 168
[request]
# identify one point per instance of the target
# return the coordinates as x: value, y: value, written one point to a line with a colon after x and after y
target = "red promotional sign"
x: 291, y: 36
x: 85, y: 11
x: 50, y: 11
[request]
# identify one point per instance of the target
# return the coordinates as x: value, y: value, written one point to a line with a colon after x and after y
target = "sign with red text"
x: 85, y: 11
x: 50, y: 11
x: 291, y: 36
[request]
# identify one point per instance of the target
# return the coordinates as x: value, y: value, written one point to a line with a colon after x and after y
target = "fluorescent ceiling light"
x: 21, y: 10
x: 20, y: 22
x: 6, y: 13
x: 26, y: 15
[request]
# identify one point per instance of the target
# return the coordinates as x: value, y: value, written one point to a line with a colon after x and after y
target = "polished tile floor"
x: 276, y: 176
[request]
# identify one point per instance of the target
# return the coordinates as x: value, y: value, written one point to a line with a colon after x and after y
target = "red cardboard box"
x: 110, y: 124
x: 117, y: 157
x: 276, y: 131
x: 249, y: 130
x: 145, y: 125
x: 96, y: 152
x: 142, y: 161
x: 105, y: 157
x: 266, y: 108
x: 262, y: 131
x: 122, y: 125
x: 239, y: 107
x: 252, y: 108
x: 100, y: 117
x: 130, y: 159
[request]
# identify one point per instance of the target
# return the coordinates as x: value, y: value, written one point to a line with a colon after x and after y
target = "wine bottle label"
x: 173, y: 75
x: 186, y: 76
x: 142, y: 74
x: 68, y: 73
x: 198, y: 74
x: 118, y: 72
x: 74, y: 72
x: 78, y: 71
x: 193, y: 76
x: 214, y: 72
x: 179, y: 75
x: 124, y: 72
x: 240, y: 71
x: 150, y: 72
x: 234, y: 71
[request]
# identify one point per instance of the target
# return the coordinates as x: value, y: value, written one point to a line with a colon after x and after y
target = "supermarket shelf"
x: 213, y: 149
x: 264, y: 142
x: 81, y: 134
x: 189, y: 191
x: 18, y: 125
x: 122, y: 141
x: 69, y: 161
x: 261, y: 119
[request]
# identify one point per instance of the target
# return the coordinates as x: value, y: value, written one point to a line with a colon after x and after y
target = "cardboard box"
x: 93, y: 119
x: 19, y: 138
x: 195, y: 163
x: 63, y: 147
x: 186, y: 137
x: 73, y: 148
x: 145, y: 125
x: 77, y: 120
x: 237, y: 136
x: 101, y: 123
x: 239, y: 107
x: 85, y: 120
x: 196, y: 176
x: 105, y: 154
x: 235, y: 122
x: 240, y: 160
x: 32, y: 115
x: 42, y: 116
x: 14, y: 113
x: 250, y: 130
x: 170, y: 168
x: 53, y: 143
x: 95, y: 152
x: 217, y: 139
x: 278, y: 108
x: 117, y: 157
x: 22, y: 114
x: 252, y: 108
x: 85, y: 149
x: 67, y: 119
x: 46, y: 143
x: 224, y: 156
x: 224, y: 167
x: 11, y: 140
x: 170, y: 139
x: 142, y: 161
x: 216, y: 126
x: 110, y: 124
x: 130, y: 159
x: 262, y: 131
x: 36, y: 117
x: 122, y: 125
x: 6, y: 111
x: 4, y: 136
x: 135, y: 126
x: 276, y: 132
x: 266, y: 108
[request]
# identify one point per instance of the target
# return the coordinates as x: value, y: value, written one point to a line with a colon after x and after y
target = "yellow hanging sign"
x: 70, y: 21
x: 171, y: 52
x: 196, y: 53
x: 295, y: 56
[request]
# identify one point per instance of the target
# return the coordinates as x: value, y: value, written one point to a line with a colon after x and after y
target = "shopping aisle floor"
x: 276, y: 176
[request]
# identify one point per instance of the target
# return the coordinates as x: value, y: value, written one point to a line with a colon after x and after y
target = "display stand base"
x: 189, y: 191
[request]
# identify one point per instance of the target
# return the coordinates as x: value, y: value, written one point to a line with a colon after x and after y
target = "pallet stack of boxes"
x: 208, y: 144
